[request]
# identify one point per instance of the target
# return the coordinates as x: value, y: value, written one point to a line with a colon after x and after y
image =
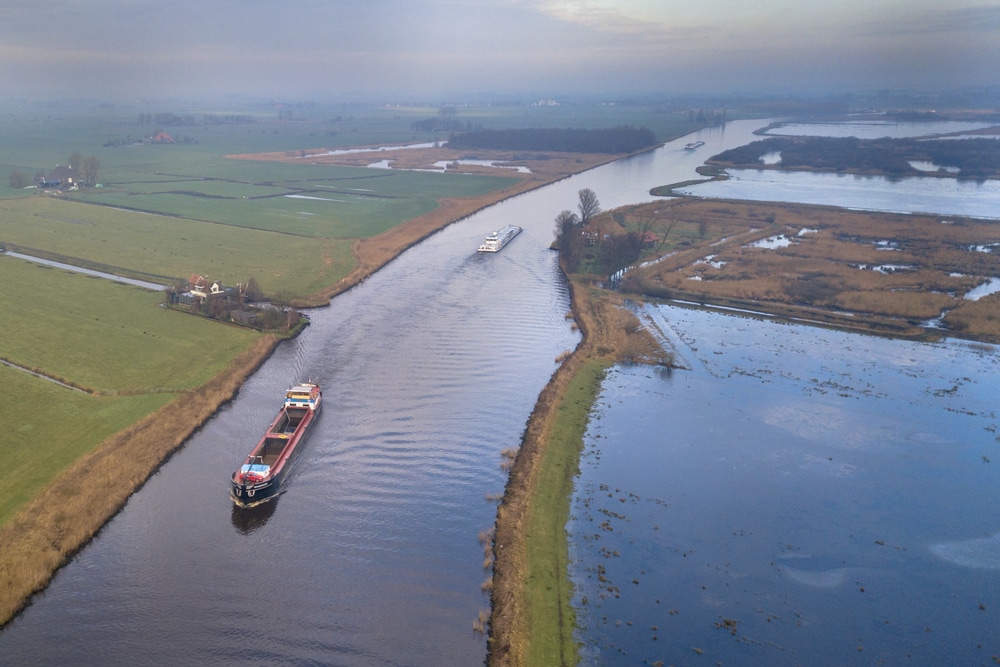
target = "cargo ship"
x: 495, y: 241
x: 693, y: 145
x: 260, y: 477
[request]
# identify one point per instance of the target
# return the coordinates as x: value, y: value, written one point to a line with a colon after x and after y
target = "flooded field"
x: 796, y: 495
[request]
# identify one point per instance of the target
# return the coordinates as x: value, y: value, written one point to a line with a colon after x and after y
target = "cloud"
x: 382, y: 47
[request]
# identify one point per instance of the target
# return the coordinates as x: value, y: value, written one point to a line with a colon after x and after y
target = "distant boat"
x: 693, y: 145
x: 495, y: 241
x: 260, y: 476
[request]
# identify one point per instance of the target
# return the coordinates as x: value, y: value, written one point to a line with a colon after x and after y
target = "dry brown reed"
x: 479, y: 623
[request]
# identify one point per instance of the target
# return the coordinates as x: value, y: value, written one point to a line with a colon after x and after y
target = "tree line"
x: 174, y: 120
x: 622, y: 139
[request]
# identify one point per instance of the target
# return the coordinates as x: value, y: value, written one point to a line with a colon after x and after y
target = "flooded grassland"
x: 790, y: 495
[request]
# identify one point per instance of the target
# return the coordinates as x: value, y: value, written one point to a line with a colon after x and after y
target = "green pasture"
x: 38, y: 137
x: 47, y: 427
x: 107, y: 336
x: 308, y: 200
x: 155, y: 247
x: 549, y: 591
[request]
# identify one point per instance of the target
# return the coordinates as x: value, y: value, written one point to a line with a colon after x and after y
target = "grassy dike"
x: 60, y: 520
x: 532, y: 621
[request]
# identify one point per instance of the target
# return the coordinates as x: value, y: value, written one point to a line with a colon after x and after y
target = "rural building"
x: 202, y: 288
x: 61, y: 177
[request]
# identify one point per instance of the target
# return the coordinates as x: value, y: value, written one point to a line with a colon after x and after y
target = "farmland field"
x: 99, y: 335
x: 62, y: 425
x: 108, y: 337
x: 151, y: 246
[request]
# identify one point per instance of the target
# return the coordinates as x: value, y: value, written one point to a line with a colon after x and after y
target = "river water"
x: 430, y: 368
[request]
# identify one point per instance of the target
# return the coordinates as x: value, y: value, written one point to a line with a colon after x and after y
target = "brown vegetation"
x: 877, y: 271
x: 59, y: 521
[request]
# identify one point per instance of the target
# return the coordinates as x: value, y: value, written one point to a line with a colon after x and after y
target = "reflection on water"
x: 798, y: 496
x: 875, y: 129
x: 248, y: 519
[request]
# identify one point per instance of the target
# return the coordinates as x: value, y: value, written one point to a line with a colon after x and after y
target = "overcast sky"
x: 443, y: 49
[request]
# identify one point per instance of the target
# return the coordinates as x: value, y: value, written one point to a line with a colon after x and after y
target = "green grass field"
x: 96, y: 334
x: 106, y: 336
x: 47, y: 427
x: 151, y: 246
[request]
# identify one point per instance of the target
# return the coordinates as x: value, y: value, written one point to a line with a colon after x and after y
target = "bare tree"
x: 89, y: 169
x: 588, y: 206
x: 18, y: 179
x: 74, y: 161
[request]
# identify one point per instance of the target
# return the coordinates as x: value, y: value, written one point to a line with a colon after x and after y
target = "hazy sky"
x: 436, y: 49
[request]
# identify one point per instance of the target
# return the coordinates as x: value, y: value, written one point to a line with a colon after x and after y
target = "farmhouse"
x: 60, y: 177
x: 202, y: 287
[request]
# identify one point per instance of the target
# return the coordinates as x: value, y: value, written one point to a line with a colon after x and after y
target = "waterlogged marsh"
x: 796, y: 496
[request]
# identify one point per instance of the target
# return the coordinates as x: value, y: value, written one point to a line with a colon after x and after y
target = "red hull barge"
x: 259, y: 478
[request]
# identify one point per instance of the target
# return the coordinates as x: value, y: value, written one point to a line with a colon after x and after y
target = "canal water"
x: 430, y: 369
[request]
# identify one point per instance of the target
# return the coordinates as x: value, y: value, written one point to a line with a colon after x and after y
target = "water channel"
x: 430, y: 368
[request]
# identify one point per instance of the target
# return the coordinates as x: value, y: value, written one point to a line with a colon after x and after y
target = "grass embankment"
x: 532, y: 622
x: 70, y: 510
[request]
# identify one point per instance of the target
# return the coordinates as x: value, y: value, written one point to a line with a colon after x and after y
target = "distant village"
x: 157, y: 138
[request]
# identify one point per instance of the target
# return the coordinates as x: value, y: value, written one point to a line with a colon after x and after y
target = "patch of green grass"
x: 47, y: 427
x: 172, y: 248
x: 305, y: 199
x: 549, y: 590
x: 106, y: 336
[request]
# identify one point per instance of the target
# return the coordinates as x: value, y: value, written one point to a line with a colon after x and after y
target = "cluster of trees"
x: 610, y: 252
x: 712, y: 116
x: 440, y: 124
x: 129, y: 140
x: 974, y: 158
x: 569, y: 229
x: 624, y: 139
x: 87, y: 167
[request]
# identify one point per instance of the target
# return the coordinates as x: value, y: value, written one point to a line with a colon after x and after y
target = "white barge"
x: 495, y: 241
